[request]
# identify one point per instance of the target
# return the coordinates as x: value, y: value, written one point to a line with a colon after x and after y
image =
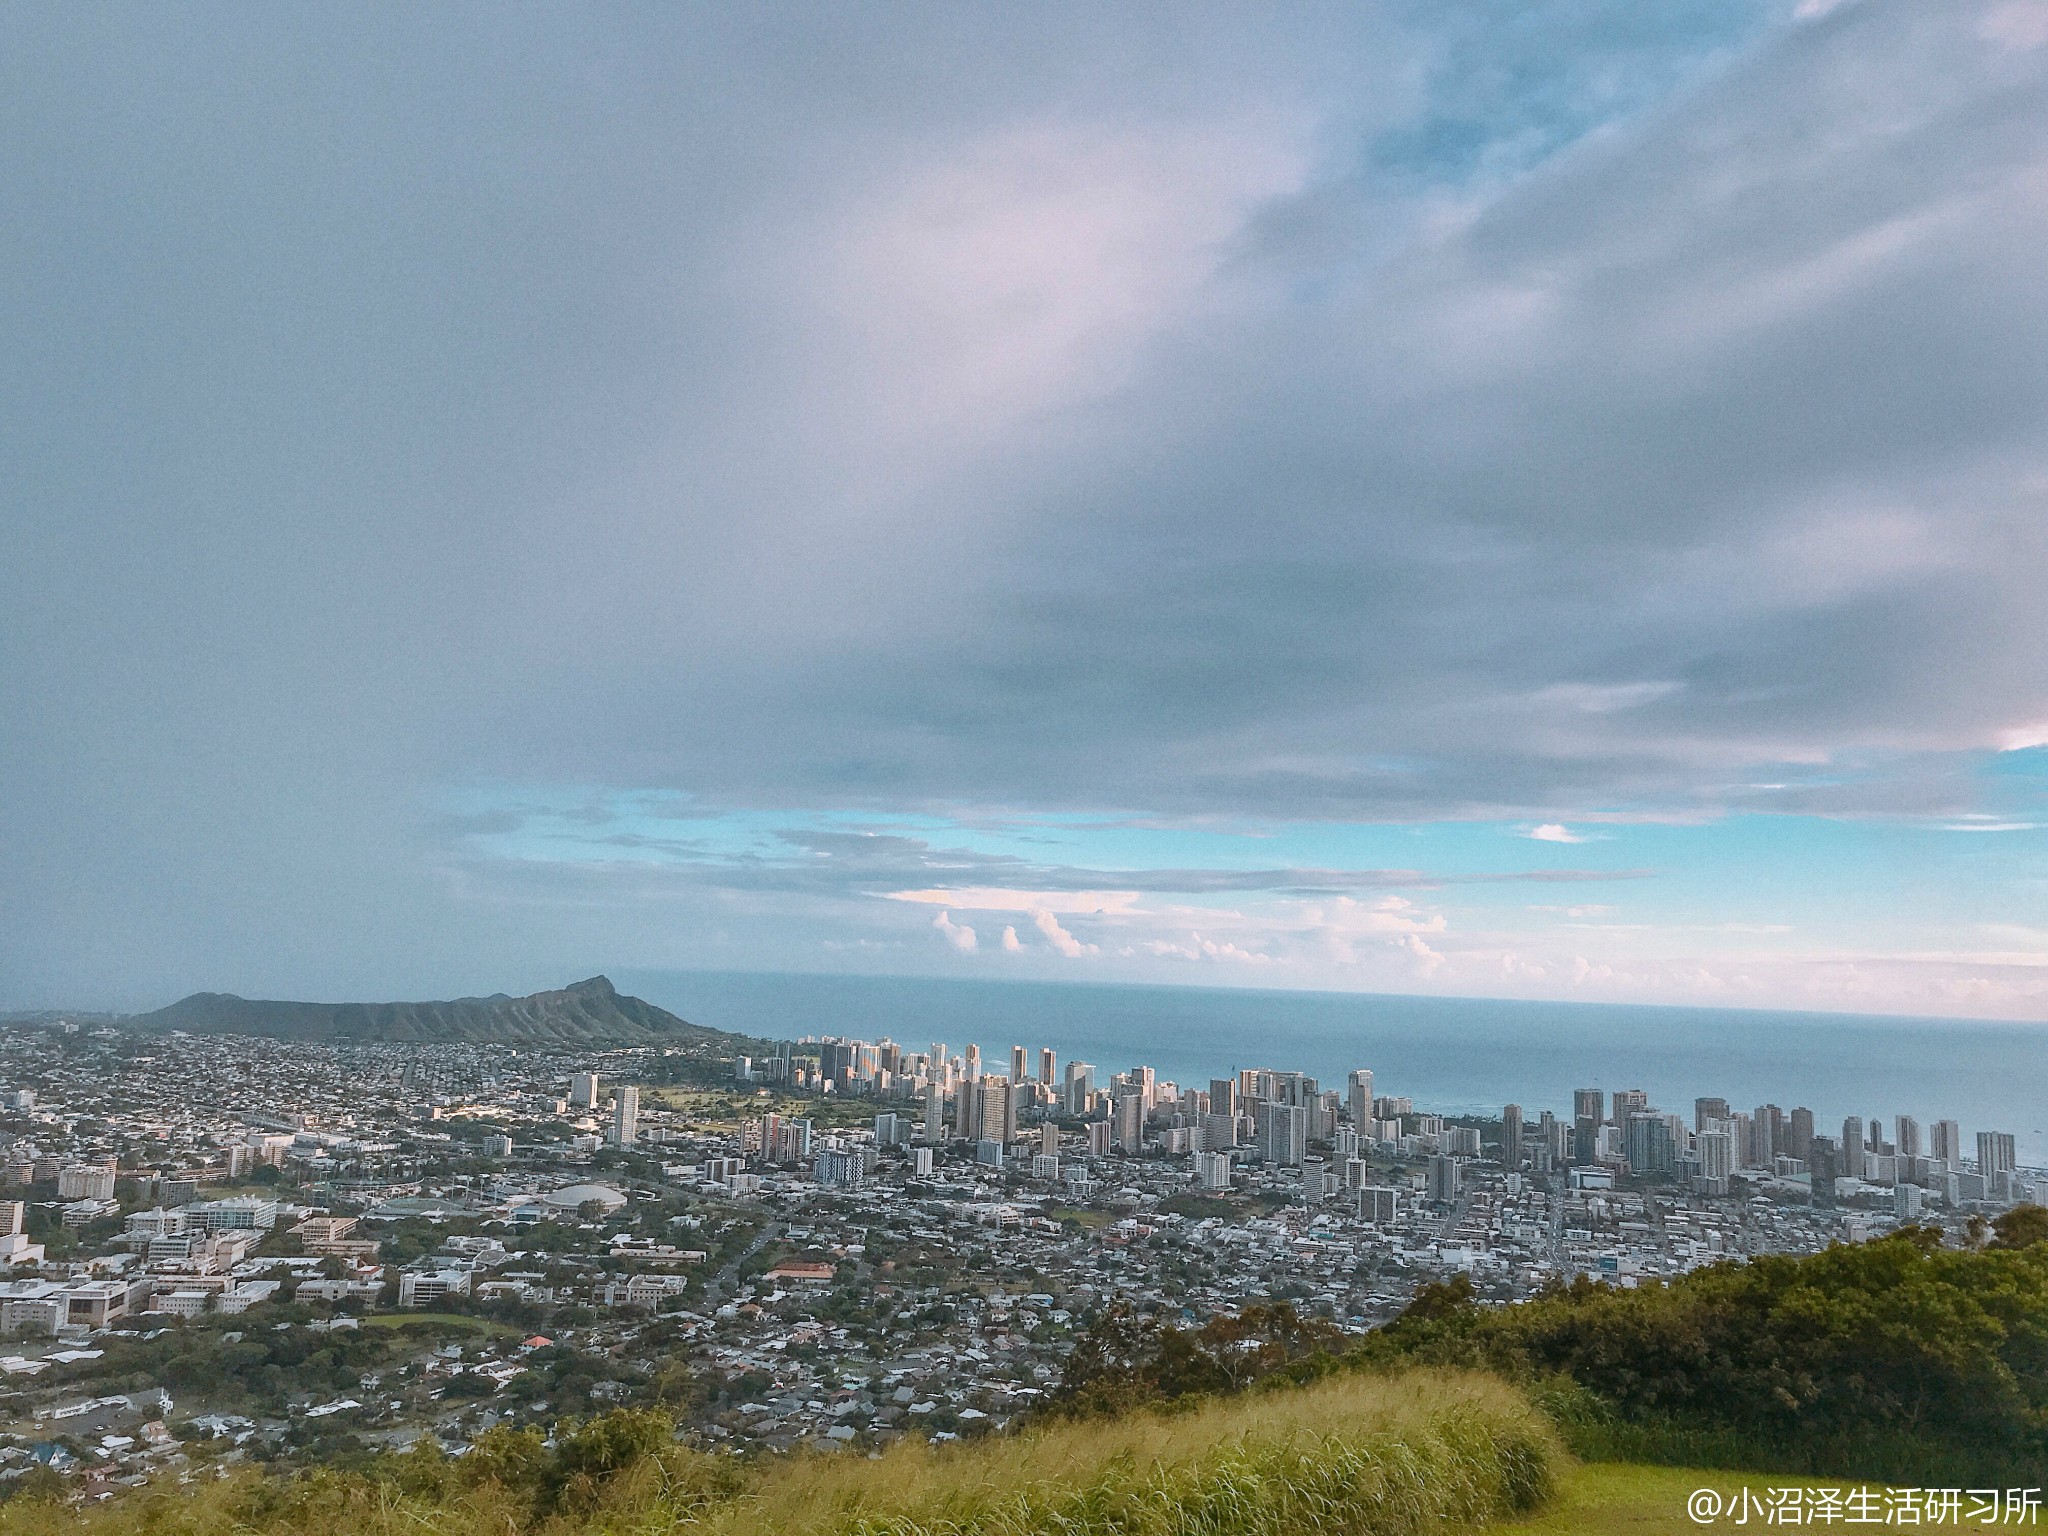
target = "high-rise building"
x: 1511, y: 1136
x: 1706, y: 1111
x: 1048, y: 1065
x: 95, y: 1181
x: 1359, y: 1091
x: 1945, y: 1141
x: 1378, y: 1205
x: 1647, y: 1142
x: 626, y: 1116
x: 1798, y: 1133
x: 583, y: 1090
x: 1767, y: 1134
x: 1852, y: 1147
x: 1128, y: 1117
x: 1080, y: 1086
x: 973, y: 1061
x: 995, y: 1110
x: 1628, y: 1101
x: 15, y: 1247
x: 1442, y: 1180
x: 1823, y: 1166
x: 1715, y: 1149
x: 1906, y: 1133
x: 1744, y: 1130
x: 1588, y: 1111
x: 1019, y: 1069
x: 1212, y: 1170
x: 1996, y: 1153
x: 1219, y: 1132
x: 1099, y: 1132
x: 1049, y: 1140
x: 934, y: 1114
x: 1282, y: 1133
x: 1223, y: 1096
x: 838, y: 1168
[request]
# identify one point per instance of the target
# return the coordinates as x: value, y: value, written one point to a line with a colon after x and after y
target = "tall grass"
x: 1409, y: 1455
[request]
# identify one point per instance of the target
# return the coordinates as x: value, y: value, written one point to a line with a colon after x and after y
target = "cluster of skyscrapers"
x: 1627, y: 1135
x: 1276, y: 1118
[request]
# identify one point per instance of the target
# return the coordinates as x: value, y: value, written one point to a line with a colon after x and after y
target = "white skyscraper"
x: 1361, y: 1098
x: 1716, y: 1148
x: 583, y: 1090
x: 626, y: 1117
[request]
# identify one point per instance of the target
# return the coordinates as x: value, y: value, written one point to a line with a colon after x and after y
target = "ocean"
x: 1452, y: 1055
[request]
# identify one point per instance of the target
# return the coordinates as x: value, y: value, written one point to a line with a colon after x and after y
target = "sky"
x: 1530, y: 500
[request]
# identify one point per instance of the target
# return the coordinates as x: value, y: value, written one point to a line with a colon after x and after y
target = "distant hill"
x: 592, y: 1012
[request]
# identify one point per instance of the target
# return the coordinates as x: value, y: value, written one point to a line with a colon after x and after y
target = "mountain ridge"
x: 588, y: 1012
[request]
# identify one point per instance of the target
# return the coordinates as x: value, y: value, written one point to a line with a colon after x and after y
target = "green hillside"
x: 1408, y: 1455
x: 587, y: 1013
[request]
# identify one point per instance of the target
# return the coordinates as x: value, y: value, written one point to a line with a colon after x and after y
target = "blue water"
x: 1454, y: 1055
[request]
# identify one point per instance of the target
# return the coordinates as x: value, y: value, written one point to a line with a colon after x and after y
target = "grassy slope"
x: 1428, y: 1452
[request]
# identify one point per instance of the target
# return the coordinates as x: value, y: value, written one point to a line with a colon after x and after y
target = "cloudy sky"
x: 1500, y: 498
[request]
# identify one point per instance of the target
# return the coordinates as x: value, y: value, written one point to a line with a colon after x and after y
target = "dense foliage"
x: 1899, y: 1359
x: 1128, y: 1358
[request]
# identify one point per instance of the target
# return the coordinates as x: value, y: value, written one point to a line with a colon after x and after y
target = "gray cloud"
x: 1346, y: 413
x: 877, y: 863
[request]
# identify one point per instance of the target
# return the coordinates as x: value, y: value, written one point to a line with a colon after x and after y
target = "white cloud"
x: 1058, y: 937
x: 1427, y: 961
x: 1011, y: 943
x: 958, y: 935
x: 1198, y: 947
x: 1553, y: 832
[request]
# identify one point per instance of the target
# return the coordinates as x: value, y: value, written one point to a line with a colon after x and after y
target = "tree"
x: 2021, y: 1227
